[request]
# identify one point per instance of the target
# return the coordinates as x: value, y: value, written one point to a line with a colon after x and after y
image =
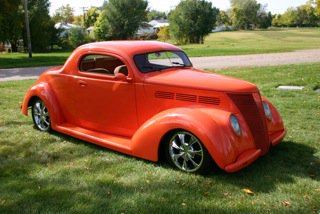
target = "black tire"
x: 184, y: 151
x: 40, y: 115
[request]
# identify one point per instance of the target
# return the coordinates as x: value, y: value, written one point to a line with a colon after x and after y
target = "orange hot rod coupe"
x: 145, y: 99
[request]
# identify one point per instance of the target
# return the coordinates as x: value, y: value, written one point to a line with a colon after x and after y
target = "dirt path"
x: 215, y: 62
x: 219, y: 62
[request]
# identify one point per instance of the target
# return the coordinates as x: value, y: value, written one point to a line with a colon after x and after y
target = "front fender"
x: 44, y: 92
x: 211, y: 126
x: 275, y: 126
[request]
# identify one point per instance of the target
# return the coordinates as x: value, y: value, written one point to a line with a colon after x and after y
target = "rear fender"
x: 42, y: 90
x: 211, y: 126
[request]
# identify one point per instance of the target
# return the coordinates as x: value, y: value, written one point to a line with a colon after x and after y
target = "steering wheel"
x: 99, y: 70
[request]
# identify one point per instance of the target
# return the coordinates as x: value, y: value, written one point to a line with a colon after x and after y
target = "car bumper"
x: 249, y: 156
x: 277, y: 137
x: 244, y: 159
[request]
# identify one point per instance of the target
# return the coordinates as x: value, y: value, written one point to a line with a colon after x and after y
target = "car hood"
x: 192, y: 78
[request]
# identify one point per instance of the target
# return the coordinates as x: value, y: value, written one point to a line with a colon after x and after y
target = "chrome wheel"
x: 186, y: 151
x: 40, y: 115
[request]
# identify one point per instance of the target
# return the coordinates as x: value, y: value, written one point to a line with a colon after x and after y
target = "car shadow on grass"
x: 73, y: 176
x: 281, y: 165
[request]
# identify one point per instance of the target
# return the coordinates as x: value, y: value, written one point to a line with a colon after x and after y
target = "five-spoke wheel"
x: 40, y: 115
x: 186, y: 152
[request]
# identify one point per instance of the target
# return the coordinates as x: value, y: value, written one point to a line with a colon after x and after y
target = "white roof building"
x: 145, y: 29
x: 65, y: 27
x: 159, y: 23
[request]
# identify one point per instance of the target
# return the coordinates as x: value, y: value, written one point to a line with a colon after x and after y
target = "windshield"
x: 157, y: 61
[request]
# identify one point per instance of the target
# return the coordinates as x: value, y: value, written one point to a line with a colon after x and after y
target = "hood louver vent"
x: 209, y: 100
x: 164, y: 95
x: 187, y: 98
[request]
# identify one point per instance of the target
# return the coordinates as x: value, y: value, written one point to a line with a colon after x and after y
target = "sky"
x: 275, y: 6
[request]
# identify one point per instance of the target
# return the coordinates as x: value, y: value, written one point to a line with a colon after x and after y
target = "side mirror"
x: 121, y: 77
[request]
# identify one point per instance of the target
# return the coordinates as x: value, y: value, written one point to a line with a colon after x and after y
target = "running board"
x: 117, y: 143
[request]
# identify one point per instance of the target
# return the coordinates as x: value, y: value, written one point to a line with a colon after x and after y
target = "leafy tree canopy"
x: 64, y: 14
x: 192, y: 20
x: 244, y: 13
x: 12, y: 23
x: 156, y: 15
x: 91, y: 16
x: 41, y: 25
x: 120, y: 19
x: 305, y: 15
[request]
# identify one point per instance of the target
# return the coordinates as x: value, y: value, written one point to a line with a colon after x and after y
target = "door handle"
x: 83, y: 83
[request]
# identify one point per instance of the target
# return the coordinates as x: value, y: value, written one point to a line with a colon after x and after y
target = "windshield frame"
x: 145, y: 66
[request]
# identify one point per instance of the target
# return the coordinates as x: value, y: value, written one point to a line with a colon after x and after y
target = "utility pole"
x: 84, y: 10
x: 27, y: 27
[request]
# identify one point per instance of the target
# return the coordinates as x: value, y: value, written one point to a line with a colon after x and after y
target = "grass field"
x: 20, y: 60
x: 255, y: 42
x: 225, y: 43
x: 54, y: 173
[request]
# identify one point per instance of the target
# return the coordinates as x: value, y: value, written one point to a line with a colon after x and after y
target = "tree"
x: 101, y: 27
x: 11, y: 22
x: 91, y: 16
x: 163, y: 34
x: 156, y: 15
x: 77, y: 37
x: 192, y: 20
x: 302, y: 16
x: 244, y: 13
x: 223, y: 18
x: 264, y: 19
x: 64, y: 14
x: 78, y: 20
x: 276, y: 20
x: 306, y: 15
x: 120, y: 19
x: 41, y: 25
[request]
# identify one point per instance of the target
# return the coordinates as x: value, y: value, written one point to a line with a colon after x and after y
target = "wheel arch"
x: 149, y: 139
x: 43, y: 91
x: 161, y: 147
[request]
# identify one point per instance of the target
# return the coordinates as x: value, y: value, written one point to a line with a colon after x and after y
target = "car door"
x: 103, y: 102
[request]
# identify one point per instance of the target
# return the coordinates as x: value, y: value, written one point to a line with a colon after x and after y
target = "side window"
x: 100, y: 64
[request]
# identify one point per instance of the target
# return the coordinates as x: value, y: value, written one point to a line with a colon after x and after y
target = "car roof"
x: 128, y: 47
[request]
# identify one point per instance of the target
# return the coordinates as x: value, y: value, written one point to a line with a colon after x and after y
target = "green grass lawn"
x: 255, y: 42
x: 20, y: 60
x: 224, y: 43
x: 54, y: 173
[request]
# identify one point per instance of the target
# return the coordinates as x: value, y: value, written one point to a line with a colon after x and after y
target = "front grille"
x: 254, y: 117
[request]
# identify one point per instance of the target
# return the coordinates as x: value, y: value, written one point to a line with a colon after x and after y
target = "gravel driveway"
x: 214, y: 62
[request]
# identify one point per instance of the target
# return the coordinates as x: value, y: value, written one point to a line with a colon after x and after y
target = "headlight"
x: 267, y: 110
x: 235, y: 124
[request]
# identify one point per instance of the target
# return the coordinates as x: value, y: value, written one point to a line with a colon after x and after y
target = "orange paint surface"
x: 131, y: 111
